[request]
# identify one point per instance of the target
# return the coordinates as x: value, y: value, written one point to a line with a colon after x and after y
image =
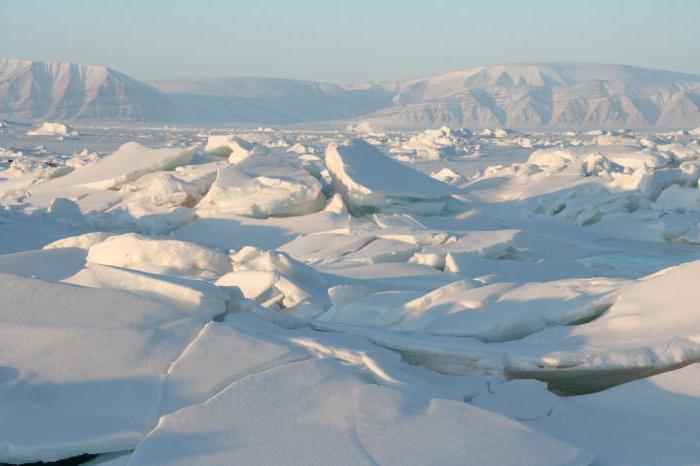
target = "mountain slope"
x: 271, y: 100
x: 554, y: 96
x: 67, y: 91
x: 546, y: 95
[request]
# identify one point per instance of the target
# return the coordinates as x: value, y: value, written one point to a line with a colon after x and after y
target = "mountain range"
x: 527, y: 96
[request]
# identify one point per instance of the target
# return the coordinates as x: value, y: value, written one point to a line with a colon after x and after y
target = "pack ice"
x: 188, y: 296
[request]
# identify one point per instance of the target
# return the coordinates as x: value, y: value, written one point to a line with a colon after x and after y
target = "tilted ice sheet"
x: 85, y: 369
x: 507, y: 311
x: 220, y: 355
x: 50, y: 265
x: 645, y: 422
x: 129, y: 162
x: 628, y: 338
x: 318, y: 412
x: 190, y: 295
x: 231, y: 231
x: 371, y: 181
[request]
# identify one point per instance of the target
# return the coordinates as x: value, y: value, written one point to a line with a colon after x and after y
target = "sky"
x: 347, y: 41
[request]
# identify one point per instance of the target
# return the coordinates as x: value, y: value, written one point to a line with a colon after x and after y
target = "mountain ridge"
x: 521, y: 95
x: 61, y: 90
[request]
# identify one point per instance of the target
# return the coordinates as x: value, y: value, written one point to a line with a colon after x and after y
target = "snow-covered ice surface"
x: 274, y: 296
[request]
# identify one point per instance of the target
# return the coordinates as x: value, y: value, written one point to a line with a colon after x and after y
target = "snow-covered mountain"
x: 271, y: 100
x: 33, y: 90
x: 546, y: 95
x: 560, y: 96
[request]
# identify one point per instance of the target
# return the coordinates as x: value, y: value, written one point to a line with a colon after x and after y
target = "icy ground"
x: 215, y: 297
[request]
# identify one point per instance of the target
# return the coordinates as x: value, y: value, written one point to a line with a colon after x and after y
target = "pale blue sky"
x: 346, y: 41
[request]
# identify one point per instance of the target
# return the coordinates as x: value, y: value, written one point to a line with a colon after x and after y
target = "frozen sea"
x: 192, y: 296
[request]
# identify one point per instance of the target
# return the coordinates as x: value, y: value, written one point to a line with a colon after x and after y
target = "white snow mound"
x: 139, y: 252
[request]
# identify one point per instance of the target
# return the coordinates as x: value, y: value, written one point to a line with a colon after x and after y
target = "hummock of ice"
x: 262, y: 190
x: 370, y: 181
x: 235, y: 148
x: 169, y: 256
x: 438, y: 143
x: 131, y: 161
x: 302, y: 297
x: 53, y: 129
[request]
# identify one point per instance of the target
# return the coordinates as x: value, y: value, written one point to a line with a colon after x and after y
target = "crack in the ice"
x: 355, y: 439
x: 155, y: 415
x: 534, y: 418
x: 226, y: 383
